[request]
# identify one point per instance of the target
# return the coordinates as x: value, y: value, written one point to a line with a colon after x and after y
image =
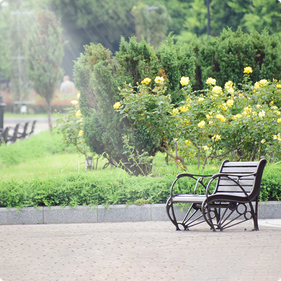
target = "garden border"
x: 112, y: 213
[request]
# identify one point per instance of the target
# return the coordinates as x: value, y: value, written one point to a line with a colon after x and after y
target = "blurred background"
x: 105, y: 21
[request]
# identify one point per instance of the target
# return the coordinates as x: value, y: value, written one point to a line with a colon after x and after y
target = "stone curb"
x: 114, y: 213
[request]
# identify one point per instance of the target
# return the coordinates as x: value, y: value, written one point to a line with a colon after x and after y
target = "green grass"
x: 20, y: 116
x: 42, y: 171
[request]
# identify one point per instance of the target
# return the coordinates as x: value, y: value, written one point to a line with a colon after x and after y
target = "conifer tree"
x: 44, y: 57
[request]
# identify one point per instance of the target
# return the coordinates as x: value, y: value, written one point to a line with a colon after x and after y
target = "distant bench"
x: 236, y: 186
x: 11, y: 135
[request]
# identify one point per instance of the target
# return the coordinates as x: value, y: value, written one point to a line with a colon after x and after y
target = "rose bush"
x: 241, y: 121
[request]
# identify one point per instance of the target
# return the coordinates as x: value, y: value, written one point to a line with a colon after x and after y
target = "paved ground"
x: 139, y: 251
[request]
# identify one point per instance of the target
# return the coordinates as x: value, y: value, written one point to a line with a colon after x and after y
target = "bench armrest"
x: 197, y: 178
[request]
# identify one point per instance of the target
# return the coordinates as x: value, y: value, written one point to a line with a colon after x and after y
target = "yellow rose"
x: 187, y: 142
x: 80, y: 133
x: 201, y: 124
x: 248, y: 70
x: 183, y: 108
x: 200, y: 99
x: 223, y: 107
x: 74, y: 102
x: 279, y: 120
x: 278, y: 86
x: 205, y: 147
x: 184, y: 81
x: 256, y: 85
x: 78, y: 114
x: 216, y: 137
x: 262, y: 114
x: 217, y: 89
x: 117, y: 105
x: 146, y: 81
x: 78, y: 96
x: 230, y: 103
x: 236, y: 116
x: 263, y: 82
x: 175, y: 111
x: 221, y: 117
x: 228, y: 84
x: 159, y: 80
x: 211, y: 81
x: 263, y: 141
x: 230, y: 90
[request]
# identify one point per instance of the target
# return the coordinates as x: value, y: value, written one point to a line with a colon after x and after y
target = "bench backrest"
x: 251, y: 184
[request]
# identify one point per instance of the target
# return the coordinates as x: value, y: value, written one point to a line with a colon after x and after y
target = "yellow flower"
x: 201, y: 124
x: 230, y: 103
x: 159, y: 80
x: 258, y: 106
x: 277, y: 112
x: 240, y: 95
x: 205, y: 147
x: 78, y: 114
x: 216, y: 137
x: 263, y: 82
x: 279, y: 120
x: 117, y: 105
x: 78, y: 96
x: 183, y: 108
x: 184, y: 81
x: 236, y: 116
x: 186, y: 122
x: 221, y: 117
x: 217, y: 89
x: 276, y: 137
x: 262, y: 114
x: 146, y: 81
x: 278, y: 86
x: 209, y: 116
x: 248, y: 70
x: 223, y: 106
x: 80, y: 133
x: 256, y: 85
x: 263, y: 141
x: 247, y: 110
x: 200, y: 99
x: 187, y: 142
x: 74, y: 102
x: 254, y: 113
x: 175, y: 111
x: 211, y: 81
x: 230, y: 90
x: 228, y: 84
x: 274, y: 107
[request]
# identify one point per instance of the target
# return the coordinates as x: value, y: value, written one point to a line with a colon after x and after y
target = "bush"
x: 111, y: 187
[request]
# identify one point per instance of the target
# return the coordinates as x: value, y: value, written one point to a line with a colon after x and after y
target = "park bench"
x: 4, y: 135
x: 32, y: 128
x: 23, y: 133
x: 230, y: 197
x: 13, y: 137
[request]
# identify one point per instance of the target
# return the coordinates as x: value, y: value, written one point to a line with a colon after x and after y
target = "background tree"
x: 44, y: 57
x: 151, y: 22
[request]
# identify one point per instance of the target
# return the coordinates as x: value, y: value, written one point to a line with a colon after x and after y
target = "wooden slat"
x: 234, y: 188
x: 249, y: 182
x: 239, y: 170
x: 240, y: 164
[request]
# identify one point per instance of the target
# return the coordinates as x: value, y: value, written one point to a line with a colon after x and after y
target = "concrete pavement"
x: 139, y: 251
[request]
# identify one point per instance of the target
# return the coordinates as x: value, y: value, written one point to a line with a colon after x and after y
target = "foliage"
x: 109, y: 187
x: 241, y: 123
x: 44, y: 57
x: 226, y: 56
x: 151, y: 22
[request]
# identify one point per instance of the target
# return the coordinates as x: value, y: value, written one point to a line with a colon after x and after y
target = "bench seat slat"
x: 188, y: 198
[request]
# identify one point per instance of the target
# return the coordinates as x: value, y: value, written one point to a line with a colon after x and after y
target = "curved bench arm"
x: 193, y: 176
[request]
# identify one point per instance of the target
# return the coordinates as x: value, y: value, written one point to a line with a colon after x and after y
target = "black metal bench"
x: 13, y: 137
x: 4, y: 135
x: 23, y: 134
x: 235, y: 188
x: 32, y: 128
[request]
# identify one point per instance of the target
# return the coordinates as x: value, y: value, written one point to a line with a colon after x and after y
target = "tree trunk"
x: 49, y: 113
